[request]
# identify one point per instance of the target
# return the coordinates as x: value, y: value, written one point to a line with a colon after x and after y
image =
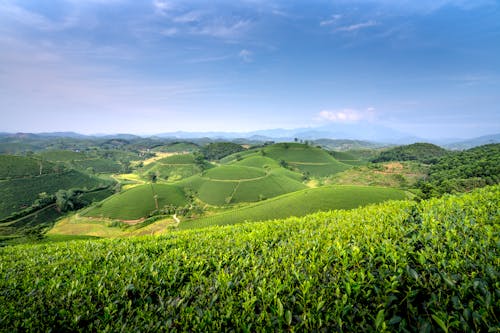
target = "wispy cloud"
x: 346, y: 115
x: 221, y: 28
x: 333, y: 20
x: 357, y: 26
x: 245, y: 55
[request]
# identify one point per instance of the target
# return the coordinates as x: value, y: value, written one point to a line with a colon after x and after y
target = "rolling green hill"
x: 138, y: 202
x: 422, y: 152
x: 398, y: 266
x: 301, y: 203
x: 235, y: 183
x: 311, y: 160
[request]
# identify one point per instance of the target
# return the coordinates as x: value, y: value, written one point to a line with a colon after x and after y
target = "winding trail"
x: 176, y: 218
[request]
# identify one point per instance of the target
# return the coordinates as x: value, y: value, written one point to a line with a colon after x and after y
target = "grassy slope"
x: 397, y: 266
x: 138, y: 202
x: 301, y: 203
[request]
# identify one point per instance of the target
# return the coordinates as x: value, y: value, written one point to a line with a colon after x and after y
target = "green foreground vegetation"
x: 399, y: 266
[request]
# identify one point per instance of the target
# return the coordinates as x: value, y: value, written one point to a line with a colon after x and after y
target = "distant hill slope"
x: 86, y: 162
x: 177, y: 147
x: 471, y: 143
x: 301, y: 203
x: 422, y: 152
x: 20, y: 167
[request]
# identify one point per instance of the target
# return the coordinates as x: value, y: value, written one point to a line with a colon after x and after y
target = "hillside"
x: 138, y: 202
x: 108, y: 161
x: 300, y: 203
x: 422, y: 152
x: 464, y: 171
x: 397, y: 266
x: 21, y: 167
x: 23, y: 179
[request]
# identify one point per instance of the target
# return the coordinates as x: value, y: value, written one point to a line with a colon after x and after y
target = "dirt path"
x: 176, y: 218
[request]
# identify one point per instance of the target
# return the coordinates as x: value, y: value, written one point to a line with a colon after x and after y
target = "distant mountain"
x: 72, y: 135
x: 474, y: 142
x: 367, y: 132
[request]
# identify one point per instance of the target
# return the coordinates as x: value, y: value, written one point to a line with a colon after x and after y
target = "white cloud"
x: 334, y: 19
x: 357, y: 26
x: 162, y: 6
x: 347, y: 115
x: 246, y: 55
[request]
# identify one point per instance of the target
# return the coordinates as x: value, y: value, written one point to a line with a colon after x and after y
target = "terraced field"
x: 138, y: 202
x: 301, y: 203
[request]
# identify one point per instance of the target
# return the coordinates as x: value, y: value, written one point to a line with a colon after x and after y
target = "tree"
x: 152, y: 176
x: 67, y: 200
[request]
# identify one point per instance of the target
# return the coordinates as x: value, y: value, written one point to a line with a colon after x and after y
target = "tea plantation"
x: 396, y: 266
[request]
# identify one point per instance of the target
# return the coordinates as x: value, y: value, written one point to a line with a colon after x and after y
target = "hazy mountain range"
x: 377, y: 135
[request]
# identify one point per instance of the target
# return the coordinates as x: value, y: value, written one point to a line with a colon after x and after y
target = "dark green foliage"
x: 18, y: 194
x: 463, y: 171
x: 218, y: 150
x: 398, y: 266
x: 422, y: 152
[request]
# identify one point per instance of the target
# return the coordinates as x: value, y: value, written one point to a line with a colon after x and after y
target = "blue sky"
x: 429, y: 68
